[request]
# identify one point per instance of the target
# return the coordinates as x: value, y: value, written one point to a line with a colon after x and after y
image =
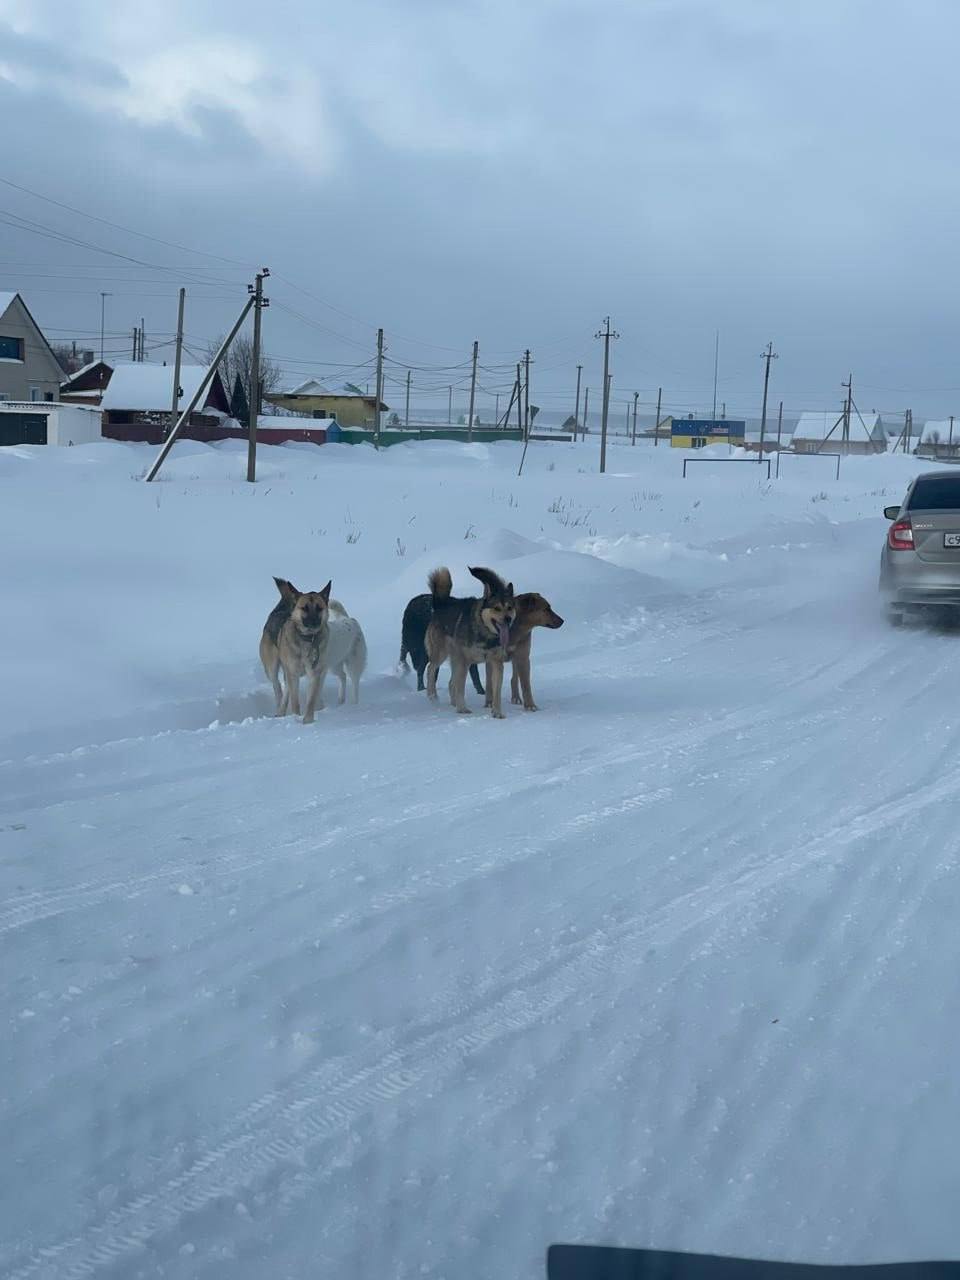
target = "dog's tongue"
x: 503, y: 631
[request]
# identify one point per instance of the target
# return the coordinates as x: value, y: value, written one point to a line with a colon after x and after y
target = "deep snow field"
x: 671, y: 962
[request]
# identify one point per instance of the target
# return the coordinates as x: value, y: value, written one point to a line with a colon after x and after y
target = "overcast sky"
x: 774, y: 169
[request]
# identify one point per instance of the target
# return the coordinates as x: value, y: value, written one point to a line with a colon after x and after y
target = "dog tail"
x: 441, y: 585
x: 493, y: 583
x: 337, y: 609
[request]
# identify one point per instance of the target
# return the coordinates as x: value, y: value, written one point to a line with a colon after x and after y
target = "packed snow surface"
x: 671, y: 962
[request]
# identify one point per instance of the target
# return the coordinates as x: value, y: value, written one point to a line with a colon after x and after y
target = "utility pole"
x: 606, y: 333
x: 767, y: 355
x: 259, y: 302
x: 656, y: 429
x: 586, y: 410
x: 909, y: 431
x: 526, y: 393
x: 779, y: 425
x: 142, y: 336
x: 576, y: 411
x: 847, y: 405
x: 176, y: 363
x: 449, y: 405
x: 519, y: 401
x: 378, y: 391
x: 636, y: 397
x: 950, y: 441
x: 103, y: 303
x: 716, y: 370
x: 406, y: 415
x: 136, y: 335
x: 201, y: 390
x: 473, y: 391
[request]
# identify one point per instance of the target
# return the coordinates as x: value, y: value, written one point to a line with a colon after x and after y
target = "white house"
x: 939, y: 438
x: 822, y: 432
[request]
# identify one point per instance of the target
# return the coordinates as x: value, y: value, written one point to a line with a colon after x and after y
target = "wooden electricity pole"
x: 378, y: 390
x: 406, y: 416
x: 473, y: 392
x: 204, y: 383
x: 259, y: 302
x: 606, y: 333
x: 636, y: 397
x: 526, y: 393
x: 176, y: 363
x: 656, y: 429
x: 576, y: 411
x: 768, y: 355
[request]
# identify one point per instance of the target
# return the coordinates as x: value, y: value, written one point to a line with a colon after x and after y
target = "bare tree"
x: 239, y: 361
x: 64, y: 356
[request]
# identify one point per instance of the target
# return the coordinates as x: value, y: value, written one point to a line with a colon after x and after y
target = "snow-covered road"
x: 670, y: 963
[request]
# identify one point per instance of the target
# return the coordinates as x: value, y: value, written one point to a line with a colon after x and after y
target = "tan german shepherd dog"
x: 532, y: 611
x: 469, y: 630
x: 308, y: 634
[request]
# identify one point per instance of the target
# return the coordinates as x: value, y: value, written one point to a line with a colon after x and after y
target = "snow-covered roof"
x: 818, y: 426
x: 5, y: 299
x: 938, y: 431
x: 310, y: 388
x: 290, y: 422
x: 85, y: 368
x: 148, y: 388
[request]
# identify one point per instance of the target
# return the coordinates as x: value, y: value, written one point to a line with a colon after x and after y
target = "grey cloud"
x: 514, y: 175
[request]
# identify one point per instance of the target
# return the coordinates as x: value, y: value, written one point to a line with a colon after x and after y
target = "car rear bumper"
x: 917, y: 596
x: 905, y: 579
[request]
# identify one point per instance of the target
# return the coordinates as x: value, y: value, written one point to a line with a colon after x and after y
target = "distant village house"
x: 350, y: 409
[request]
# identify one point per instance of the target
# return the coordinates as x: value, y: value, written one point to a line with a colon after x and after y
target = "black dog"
x: 416, y: 619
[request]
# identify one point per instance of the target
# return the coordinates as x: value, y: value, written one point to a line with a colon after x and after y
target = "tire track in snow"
x: 284, y: 1126
x: 31, y: 908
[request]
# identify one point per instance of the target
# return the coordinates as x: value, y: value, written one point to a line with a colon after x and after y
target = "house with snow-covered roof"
x: 938, y: 438
x: 350, y: 406
x: 136, y: 399
x: 822, y: 432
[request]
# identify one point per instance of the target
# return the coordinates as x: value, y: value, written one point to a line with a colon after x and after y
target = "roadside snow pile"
x: 406, y: 994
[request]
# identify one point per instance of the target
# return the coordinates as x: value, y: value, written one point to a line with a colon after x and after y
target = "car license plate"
x: 951, y: 539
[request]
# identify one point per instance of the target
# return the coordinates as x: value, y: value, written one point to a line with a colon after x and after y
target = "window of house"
x: 11, y: 348
x: 34, y: 394
x: 48, y: 395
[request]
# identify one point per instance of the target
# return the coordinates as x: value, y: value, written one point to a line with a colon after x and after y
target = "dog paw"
x: 308, y: 719
x: 463, y: 711
x: 515, y: 701
x: 530, y: 706
x: 498, y: 715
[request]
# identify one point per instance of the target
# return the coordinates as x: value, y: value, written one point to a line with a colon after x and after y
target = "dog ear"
x: 326, y: 591
x: 510, y: 590
x: 287, y: 590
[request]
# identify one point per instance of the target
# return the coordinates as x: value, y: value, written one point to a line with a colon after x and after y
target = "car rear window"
x: 935, y: 495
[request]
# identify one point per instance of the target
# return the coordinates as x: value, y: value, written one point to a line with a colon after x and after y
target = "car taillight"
x: 900, y: 537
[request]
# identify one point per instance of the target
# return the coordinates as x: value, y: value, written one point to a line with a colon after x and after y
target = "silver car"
x: 920, y: 566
